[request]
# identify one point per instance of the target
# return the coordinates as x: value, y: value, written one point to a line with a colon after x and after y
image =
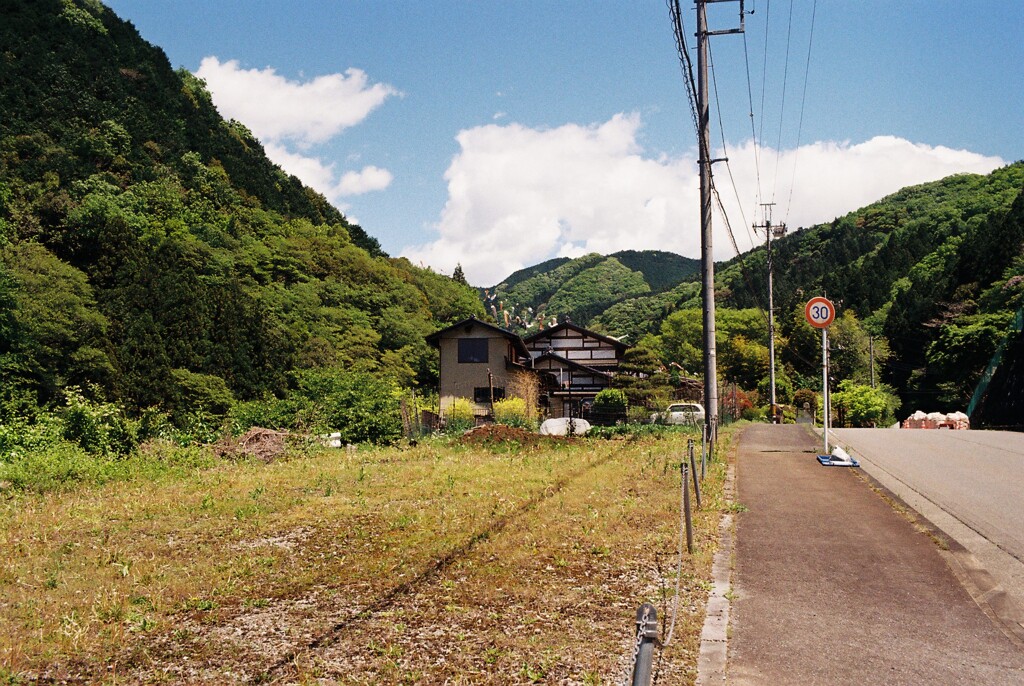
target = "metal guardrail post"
x: 646, y: 637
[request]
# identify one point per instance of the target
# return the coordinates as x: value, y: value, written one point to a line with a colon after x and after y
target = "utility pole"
x: 706, y: 253
x: 770, y: 232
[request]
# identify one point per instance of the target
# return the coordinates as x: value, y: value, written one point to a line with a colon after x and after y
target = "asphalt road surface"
x: 832, y: 586
x: 970, y: 484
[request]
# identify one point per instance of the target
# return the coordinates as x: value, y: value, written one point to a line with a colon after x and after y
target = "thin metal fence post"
x: 703, y: 442
x: 690, y: 451
x: 703, y: 465
x: 647, y: 636
x: 696, y: 483
x: 686, y: 508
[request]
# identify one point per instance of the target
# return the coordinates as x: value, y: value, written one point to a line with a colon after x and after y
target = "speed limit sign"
x: 819, y: 312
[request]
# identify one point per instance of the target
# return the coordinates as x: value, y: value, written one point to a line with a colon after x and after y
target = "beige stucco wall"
x: 459, y: 380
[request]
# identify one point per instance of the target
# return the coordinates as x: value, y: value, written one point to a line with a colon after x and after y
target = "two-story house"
x: 481, y: 361
x: 575, y: 364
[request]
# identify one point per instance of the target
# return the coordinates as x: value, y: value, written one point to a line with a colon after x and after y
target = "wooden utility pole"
x: 707, y: 258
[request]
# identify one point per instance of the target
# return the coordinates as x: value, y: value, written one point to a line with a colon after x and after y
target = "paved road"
x: 832, y: 586
x: 970, y: 484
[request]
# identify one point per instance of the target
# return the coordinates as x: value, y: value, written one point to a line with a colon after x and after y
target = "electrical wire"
x: 725, y: 152
x: 803, y: 101
x: 782, y: 105
x: 685, y: 63
x: 753, y: 131
x: 764, y: 69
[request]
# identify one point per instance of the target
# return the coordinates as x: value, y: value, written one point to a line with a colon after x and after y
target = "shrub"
x: 269, y: 413
x: 360, y: 406
x: 99, y: 428
x: 202, y: 393
x: 512, y: 412
x: 610, y: 400
x: 459, y: 416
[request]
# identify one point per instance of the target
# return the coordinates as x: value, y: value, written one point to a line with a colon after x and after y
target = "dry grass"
x: 457, y: 564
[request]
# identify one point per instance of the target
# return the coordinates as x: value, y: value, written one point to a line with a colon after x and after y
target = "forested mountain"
x: 937, y: 270
x: 151, y: 253
x: 926, y: 280
x: 585, y: 287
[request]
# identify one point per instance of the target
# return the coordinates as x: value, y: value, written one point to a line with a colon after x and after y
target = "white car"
x: 680, y: 413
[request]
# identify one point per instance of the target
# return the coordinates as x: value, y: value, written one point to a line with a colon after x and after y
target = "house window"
x: 482, y: 394
x: 472, y: 350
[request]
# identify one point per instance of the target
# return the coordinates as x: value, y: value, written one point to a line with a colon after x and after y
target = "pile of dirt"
x: 491, y: 434
x: 257, y: 443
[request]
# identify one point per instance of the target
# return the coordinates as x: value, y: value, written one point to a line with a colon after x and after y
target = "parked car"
x: 680, y: 413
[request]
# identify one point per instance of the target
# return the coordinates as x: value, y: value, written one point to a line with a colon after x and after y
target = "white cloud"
x: 824, y: 180
x: 291, y: 117
x: 518, y: 196
x: 370, y: 178
x: 276, y: 109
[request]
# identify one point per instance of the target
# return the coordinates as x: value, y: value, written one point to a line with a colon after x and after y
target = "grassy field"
x: 441, y: 563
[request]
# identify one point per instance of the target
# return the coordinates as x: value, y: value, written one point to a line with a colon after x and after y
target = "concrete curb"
x: 714, y: 636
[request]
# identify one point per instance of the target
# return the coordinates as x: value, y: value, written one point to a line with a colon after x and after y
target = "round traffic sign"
x: 819, y: 312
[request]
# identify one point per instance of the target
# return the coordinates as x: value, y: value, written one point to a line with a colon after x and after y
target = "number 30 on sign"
x: 819, y: 312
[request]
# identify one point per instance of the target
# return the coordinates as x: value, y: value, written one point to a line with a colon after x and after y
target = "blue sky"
x: 500, y: 134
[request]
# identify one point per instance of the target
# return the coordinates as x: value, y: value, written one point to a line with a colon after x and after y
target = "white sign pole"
x: 826, y: 401
x: 820, y: 312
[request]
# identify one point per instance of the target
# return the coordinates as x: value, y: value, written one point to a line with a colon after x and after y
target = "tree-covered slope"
x: 937, y: 269
x: 584, y: 288
x: 933, y: 274
x: 149, y: 250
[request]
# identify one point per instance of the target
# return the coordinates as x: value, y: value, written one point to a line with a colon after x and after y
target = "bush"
x: 360, y: 406
x: 459, y: 416
x: 199, y: 393
x: 610, y: 400
x: 99, y: 428
x: 269, y: 413
x: 512, y: 412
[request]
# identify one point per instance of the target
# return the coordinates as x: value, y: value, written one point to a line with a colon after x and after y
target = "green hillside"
x: 150, y: 253
x: 927, y: 279
x: 584, y: 288
x: 936, y: 270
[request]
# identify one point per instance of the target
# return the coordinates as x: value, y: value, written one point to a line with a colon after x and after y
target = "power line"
x: 725, y: 152
x: 764, y: 71
x: 685, y: 64
x: 803, y: 100
x: 782, y: 105
x: 753, y: 131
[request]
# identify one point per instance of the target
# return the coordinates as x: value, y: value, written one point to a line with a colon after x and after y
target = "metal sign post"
x: 820, y: 312
x: 826, y: 416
